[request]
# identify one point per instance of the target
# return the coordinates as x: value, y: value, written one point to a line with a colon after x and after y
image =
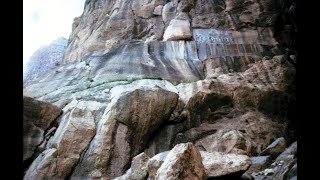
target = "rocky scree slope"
x: 189, y: 89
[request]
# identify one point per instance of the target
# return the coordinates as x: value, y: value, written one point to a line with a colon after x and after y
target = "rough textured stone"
x: 235, y: 14
x: 130, y: 118
x: 163, y: 140
x: 284, y: 167
x: 292, y: 172
x: 158, y: 10
x: 229, y: 142
x: 168, y: 12
x: 143, y: 8
x: 155, y: 163
x: 104, y: 25
x: 183, y: 162
x: 278, y: 171
x: 291, y: 150
x: 185, y: 5
x: 66, y: 148
x: 218, y: 164
x: 178, y: 30
x: 138, y: 168
x: 275, y: 148
x: 174, y: 61
x: 258, y: 163
x: 37, y: 118
x: 223, y: 100
x: 43, y: 166
x: 243, y: 139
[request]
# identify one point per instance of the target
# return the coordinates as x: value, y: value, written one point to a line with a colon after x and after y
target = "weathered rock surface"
x: 178, y: 30
x: 175, y: 61
x: 284, y: 166
x: 240, y: 134
x: 37, y: 118
x: 235, y: 14
x: 130, y: 118
x: 183, y: 162
x: 292, y: 174
x: 275, y: 148
x: 76, y: 130
x: 291, y: 150
x: 138, y: 170
x: 43, y: 165
x: 229, y: 96
x: 150, y: 75
x: 218, y: 164
x: 104, y: 24
x: 279, y: 171
x: 258, y: 163
x: 158, y: 10
x: 229, y: 142
x: 154, y: 164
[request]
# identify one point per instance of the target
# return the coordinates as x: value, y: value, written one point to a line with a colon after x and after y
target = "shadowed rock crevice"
x: 205, y: 107
x: 38, y: 118
x: 232, y: 176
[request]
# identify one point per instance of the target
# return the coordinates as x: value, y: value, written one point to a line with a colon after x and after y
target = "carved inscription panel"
x: 212, y: 36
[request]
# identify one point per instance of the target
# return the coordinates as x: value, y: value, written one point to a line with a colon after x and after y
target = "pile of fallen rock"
x: 185, y: 161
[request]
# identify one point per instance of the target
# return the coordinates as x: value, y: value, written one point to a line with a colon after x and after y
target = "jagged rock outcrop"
x: 123, y: 130
x: 106, y: 24
x: 226, y: 103
x: 183, y: 162
x: 138, y: 168
x: 258, y: 163
x: 38, y: 119
x: 76, y: 130
x: 283, y: 167
x: 156, y: 85
x: 219, y: 164
x: 275, y: 148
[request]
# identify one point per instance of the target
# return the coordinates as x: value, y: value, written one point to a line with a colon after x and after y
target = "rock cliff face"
x: 180, y: 89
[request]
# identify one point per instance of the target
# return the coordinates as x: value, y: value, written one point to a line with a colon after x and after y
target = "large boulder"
x: 37, y: 118
x: 42, y: 166
x: 183, y: 162
x: 219, y: 164
x: 291, y: 150
x: 275, y: 148
x: 155, y: 163
x: 123, y: 130
x: 76, y: 130
x: 138, y: 170
x: 178, y: 30
x: 258, y: 163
